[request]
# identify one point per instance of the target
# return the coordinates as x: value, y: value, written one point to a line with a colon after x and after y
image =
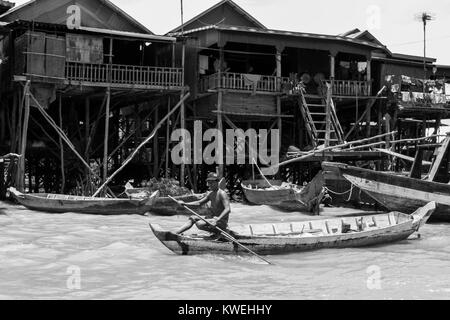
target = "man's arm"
x: 195, y: 203
x: 226, y: 205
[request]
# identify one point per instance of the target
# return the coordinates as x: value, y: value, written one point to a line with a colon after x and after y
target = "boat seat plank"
x: 298, y: 227
x: 262, y: 229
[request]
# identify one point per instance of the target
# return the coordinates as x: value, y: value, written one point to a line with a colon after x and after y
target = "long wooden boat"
x: 270, y: 239
x: 165, y: 206
x: 59, y: 203
x: 287, y: 197
x: 397, y: 192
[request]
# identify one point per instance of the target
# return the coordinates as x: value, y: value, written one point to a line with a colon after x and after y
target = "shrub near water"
x: 166, y: 187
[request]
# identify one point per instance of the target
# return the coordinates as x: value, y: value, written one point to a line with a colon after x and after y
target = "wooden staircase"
x: 314, y: 112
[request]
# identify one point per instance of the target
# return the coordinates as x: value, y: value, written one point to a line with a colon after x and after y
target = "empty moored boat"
x: 270, y: 239
x: 59, y: 203
x: 286, y: 197
x: 396, y: 192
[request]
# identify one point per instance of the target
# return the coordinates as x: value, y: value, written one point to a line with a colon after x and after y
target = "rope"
x: 341, y: 194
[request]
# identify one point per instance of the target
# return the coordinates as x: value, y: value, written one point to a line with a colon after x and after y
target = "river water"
x: 74, y: 256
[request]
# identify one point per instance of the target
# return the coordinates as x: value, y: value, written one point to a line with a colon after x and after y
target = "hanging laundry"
x: 406, y: 79
x: 251, y: 80
x: 447, y: 92
x: 395, y: 88
x: 406, y: 97
x: 203, y: 64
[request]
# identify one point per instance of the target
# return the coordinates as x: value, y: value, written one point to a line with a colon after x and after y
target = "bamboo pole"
x: 124, y: 140
x: 61, y: 134
x: 368, y: 108
x: 150, y: 137
x: 313, y: 152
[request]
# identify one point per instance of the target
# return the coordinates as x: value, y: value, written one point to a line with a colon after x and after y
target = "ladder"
x: 314, y: 112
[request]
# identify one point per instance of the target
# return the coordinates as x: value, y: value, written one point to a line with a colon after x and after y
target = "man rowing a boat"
x: 219, y: 211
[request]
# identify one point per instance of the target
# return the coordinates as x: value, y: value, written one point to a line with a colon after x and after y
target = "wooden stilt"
x: 20, y: 107
x: 21, y: 169
x: 87, y: 111
x: 106, y: 138
x: 13, y: 147
x: 151, y: 136
x: 183, y: 116
x: 156, y: 145
x: 2, y: 126
x: 61, y: 148
x: 167, y: 140
x: 220, y: 128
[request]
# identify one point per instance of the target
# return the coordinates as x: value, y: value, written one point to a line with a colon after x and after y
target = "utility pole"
x: 424, y: 17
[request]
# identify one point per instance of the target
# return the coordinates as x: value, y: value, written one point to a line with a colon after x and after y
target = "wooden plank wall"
x: 237, y: 103
x: 55, y: 60
x: 84, y: 49
x: 247, y: 103
x: 36, y: 53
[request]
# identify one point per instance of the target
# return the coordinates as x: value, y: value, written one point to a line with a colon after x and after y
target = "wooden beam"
x: 147, y: 140
x: 21, y: 169
x: 167, y: 140
x: 439, y: 159
x: 401, y: 156
x: 416, y: 170
x: 61, y: 148
x: 183, y: 110
x: 106, y: 137
x: 156, y: 145
x: 242, y: 114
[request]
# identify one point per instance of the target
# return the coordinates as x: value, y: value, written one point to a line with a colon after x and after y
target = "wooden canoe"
x: 271, y: 239
x: 290, y: 197
x: 59, y: 203
x: 396, y: 192
x: 164, y: 206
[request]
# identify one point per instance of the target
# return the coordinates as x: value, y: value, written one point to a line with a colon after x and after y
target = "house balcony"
x: 124, y: 76
x: 352, y: 88
x: 241, y: 82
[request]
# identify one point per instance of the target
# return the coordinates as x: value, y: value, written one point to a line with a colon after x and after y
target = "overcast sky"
x: 392, y: 22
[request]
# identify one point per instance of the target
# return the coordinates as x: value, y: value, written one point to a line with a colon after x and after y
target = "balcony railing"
x: 240, y: 81
x: 124, y: 74
x: 351, y: 88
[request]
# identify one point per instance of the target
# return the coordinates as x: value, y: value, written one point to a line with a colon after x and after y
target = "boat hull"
x: 87, y: 205
x: 289, y: 199
x: 398, y: 193
x: 301, y: 236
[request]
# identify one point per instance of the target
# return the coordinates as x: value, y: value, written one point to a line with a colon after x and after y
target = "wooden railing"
x: 124, y: 74
x: 351, y: 88
x: 240, y: 81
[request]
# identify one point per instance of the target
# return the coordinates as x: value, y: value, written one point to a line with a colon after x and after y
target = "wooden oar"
x: 228, y: 236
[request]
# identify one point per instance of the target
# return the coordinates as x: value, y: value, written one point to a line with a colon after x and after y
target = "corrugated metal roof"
x: 106, y: 2
x: 230, y: 2
x: 284, y: 33
x: 108, y: 32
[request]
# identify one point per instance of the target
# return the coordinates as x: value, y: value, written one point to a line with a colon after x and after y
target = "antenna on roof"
x: 424, y: 17
x: 182, y: 20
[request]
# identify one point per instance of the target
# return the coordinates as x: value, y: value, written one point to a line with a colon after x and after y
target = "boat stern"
x: 150, y: 201
x: 15, y: 193
x: 421, y: 216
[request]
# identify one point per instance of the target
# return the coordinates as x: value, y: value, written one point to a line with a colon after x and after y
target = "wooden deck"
x: 241, y: 82
x: 143, y: 77
x: 351, y: 88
